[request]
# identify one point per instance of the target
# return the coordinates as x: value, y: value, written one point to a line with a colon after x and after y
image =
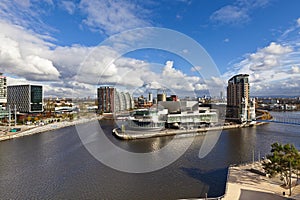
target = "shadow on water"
x: 208, y: 178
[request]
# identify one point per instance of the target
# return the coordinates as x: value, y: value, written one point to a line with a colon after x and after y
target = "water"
x: 56, y: 165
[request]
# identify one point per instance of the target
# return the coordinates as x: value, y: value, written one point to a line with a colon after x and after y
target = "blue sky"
x: 53, y: 43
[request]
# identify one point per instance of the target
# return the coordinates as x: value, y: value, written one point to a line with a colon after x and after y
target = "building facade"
x: 26, y: 98
x: 111, y: 101
x: 106, y: 99
x: 123, y: 101
x: 239, y: 105
x: 3, y: 89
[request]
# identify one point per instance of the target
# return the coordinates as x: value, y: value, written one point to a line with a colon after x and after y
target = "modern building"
x: 106, y: 99
x: 123, y: 101
x: 111, y: 101
x: 3, y: 89
x: 150, y: 97
x: 161, y: 97
x: 239, y: 105
x: 187, y: 114
x: 26, y: 98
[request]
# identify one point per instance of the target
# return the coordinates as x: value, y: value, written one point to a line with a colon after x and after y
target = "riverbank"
x: 249, y: 182
x: 132, y: 135
x: 31, y: 130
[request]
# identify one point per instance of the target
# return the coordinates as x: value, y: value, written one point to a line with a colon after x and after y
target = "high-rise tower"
x: 238, y: 90
x: 106, y: 99
x: 238, y: 98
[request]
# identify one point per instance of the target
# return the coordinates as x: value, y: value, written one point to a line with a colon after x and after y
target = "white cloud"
x: 199, y: 86
x: 268, y: 57
x: 20, y: 54
x: 196, y: 68
x: 69, y: 6
x: 170, y: 72
x: 29, y: 55
x: 26, y: 13
x: 278, y: 49
x: 113, y: 16
x: 298, y: 21
x: 23, y: 3
x: 273, y: 69
x: 230, y: 14
x: 185, y: 51
x: 295, y: 69
x: 238, y: 12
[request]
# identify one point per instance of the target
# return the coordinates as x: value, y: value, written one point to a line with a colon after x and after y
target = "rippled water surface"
x: 56, y: 165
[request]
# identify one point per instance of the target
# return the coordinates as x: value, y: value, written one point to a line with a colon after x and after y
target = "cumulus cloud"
x: 76, y: 70
x: 68, y: 59
x: 179, y: 81
x: 20, y: 54
x: 273, y: 69
x: 268, y: 57
x: 30, y: 55
x: 199, y: 86
x: 298, y: 21
x: 277, y: 49
x: 170, y: 72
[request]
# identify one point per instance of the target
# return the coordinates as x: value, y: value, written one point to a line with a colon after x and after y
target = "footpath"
x: 30, y: 129
x: 247, y: 182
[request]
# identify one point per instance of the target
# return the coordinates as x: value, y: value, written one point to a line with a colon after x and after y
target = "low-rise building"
x: 187, y: 114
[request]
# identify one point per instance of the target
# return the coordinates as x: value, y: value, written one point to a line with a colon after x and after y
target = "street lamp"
x: 290, y: 178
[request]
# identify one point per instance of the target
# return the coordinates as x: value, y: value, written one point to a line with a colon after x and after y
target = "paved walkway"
x: 243, y: 184
x: 30, y: 130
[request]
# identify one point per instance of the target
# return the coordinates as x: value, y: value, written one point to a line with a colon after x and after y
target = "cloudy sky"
x: 71, y: 47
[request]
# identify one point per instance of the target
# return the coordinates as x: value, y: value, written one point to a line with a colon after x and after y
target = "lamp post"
x: 15, y: 115
x: 9, y: 116
x: 290, y: 179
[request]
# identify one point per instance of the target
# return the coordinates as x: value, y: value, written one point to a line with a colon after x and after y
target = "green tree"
x: 283, y: 160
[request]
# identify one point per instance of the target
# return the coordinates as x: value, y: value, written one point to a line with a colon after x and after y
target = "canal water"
x: 56, y: 165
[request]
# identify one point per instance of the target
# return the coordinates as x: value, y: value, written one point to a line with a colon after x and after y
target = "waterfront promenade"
x: 31, y: 129
x: 132, y: 135
x: 244, y: 184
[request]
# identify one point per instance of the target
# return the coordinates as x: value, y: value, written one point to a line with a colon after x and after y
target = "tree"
x: 283, y: 160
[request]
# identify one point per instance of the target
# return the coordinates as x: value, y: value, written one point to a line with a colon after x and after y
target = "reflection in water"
x: 55, y: 165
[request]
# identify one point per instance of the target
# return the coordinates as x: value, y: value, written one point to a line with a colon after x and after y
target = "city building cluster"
x: 278, y: 104
x: 26, y: 104
x: 110, y: 100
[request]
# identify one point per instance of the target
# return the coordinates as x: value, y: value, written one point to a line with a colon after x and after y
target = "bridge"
x: 283, y: 118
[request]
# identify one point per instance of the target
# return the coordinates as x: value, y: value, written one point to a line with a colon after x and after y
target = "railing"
x: 283, y: 118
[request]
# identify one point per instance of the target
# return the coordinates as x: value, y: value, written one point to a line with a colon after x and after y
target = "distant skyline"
x: 47, y: 41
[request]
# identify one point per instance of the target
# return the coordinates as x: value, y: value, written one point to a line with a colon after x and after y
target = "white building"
x: 3, y: 89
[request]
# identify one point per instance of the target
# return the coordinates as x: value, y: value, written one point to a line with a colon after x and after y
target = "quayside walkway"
x: 247, y: 182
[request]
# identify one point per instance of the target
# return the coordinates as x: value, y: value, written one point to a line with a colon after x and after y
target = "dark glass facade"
x: 36, y: 98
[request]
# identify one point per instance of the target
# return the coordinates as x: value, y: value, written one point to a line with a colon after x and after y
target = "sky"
x: 187, y: 47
